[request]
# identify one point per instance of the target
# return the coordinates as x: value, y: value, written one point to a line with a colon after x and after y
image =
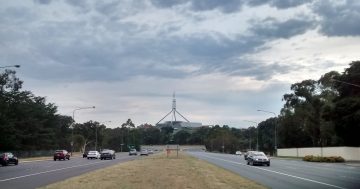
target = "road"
x: 40, y: 173
x: 285, y: 173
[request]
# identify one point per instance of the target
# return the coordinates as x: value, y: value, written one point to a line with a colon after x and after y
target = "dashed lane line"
x: 280, y: 173
x: 39, y: 173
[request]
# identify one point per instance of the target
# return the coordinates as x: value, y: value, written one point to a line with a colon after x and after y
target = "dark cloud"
x: 168, y: 3
x: 43, y: 1
x: 253, y: 69
x: 339, y: 18
x: 272, y: 28
x: 97, y: 47
x: 14, y: 16
x: 284, y: 4
x: 224, y: 6
x: 281, y: 4
x: 227, y: 6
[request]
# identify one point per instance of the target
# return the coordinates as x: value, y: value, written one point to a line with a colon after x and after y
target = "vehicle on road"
x: 107, y: 154
x: 238, y: 153
x: 144, y: 152
x: 8, y: 158
x: 61, y: 155
x: 258, y: 158
x: 151, y: 151
x: 132, y: 152
x: 93, y: 155
x: 247, y: 154
x: 85, y: 154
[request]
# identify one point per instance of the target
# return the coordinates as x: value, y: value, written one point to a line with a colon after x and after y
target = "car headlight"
x: 256, y: 159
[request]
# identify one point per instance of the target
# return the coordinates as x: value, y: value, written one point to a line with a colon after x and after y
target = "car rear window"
x: 259, y: 154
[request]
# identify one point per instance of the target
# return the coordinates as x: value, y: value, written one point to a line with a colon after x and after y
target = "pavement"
x: 39, y: 173
x: 286, y: 173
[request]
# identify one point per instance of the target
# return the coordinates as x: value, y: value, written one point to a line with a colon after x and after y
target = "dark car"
x: 107, y: 154
x: 8, y: 158
x: 61, y: 154
x: 258, y: 158
x: 85, y: 154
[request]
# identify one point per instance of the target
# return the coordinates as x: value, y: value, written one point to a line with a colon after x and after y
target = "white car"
x: 93, y: 154
x: 238, y: 153
x: 144, y: 152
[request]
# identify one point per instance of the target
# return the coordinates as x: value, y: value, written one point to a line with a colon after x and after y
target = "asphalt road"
x: 41, y: 173
x: 285, y: 173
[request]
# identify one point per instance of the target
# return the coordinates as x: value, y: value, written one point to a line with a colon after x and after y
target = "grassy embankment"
x: 159, y: 172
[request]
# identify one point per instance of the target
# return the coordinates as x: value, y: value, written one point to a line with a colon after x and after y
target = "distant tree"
x: 151, y: 135
x: 128, y: 124
x: 182, y: 137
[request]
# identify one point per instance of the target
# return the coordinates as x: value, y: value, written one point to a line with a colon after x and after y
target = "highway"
x: 40, y: 173
x: 287, y: 173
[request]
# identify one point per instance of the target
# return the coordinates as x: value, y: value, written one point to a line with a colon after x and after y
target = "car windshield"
x: 258, y: 154
x: 58, y: 151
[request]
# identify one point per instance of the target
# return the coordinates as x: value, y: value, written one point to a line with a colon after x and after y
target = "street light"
x: 274, y: 129
x: 12, y: 66
x: 72, y: 131
x: 96, y: 132
x: 257, y: 134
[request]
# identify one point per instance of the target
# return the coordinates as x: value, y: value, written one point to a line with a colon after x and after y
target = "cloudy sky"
x: 224, y: 59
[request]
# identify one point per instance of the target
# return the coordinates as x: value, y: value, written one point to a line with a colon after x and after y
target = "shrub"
x: 331, y: 159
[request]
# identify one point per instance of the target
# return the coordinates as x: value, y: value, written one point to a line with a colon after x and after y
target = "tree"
x: 151, y: 135
x: 346, y: 111
x: 128, y: 124
x: 166, y: 134
x: 27, y: 121
x: 182, y: 137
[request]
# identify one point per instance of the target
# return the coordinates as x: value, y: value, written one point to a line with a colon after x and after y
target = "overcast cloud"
x: 224, y: 59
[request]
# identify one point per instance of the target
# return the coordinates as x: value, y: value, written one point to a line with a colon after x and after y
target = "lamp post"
x: 275, y: 141
x: 12, y: 66
x: 72, y: 131
x: 257, y: 134
x: 96, y: 132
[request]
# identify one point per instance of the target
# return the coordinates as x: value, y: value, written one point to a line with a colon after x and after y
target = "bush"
x: 331, y: 159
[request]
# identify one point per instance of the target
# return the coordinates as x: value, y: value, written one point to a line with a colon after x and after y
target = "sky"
x: 223, y: 59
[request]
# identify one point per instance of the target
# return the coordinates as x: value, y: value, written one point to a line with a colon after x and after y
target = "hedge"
x: 331, y: 159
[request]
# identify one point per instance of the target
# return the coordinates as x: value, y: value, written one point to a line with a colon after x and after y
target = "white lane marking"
x: 13, y: 178
x: 301, y: 178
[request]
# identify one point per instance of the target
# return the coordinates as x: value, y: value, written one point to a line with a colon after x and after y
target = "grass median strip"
x: 159, y: 172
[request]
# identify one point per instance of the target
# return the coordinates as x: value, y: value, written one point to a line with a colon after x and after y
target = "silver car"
x: 133, y: 152
x: 93, y: 155
x: 144, y: 152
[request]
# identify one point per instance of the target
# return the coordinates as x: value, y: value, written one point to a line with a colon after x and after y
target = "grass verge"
x: 159, y: 172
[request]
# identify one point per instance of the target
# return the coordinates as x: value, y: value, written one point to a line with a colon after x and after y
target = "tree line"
x: 323, y: 112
